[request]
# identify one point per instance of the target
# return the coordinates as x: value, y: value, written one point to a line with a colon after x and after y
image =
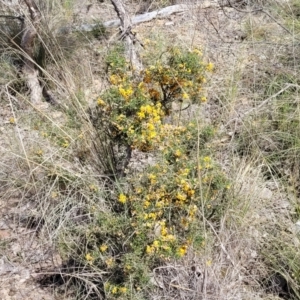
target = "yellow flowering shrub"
x: 155, y: 214
x: 157, y: 217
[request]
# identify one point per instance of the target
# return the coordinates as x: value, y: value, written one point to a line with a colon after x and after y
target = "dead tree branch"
x: 27, y: 44
x: 126, y: 33
x: 157, y: 14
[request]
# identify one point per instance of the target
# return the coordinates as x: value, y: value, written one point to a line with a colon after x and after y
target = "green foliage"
x: 116, y: 61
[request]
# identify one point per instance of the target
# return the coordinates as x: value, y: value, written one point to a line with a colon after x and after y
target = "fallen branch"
x: 126, y: 34
x: 157, y: 14
x: 27, y: 44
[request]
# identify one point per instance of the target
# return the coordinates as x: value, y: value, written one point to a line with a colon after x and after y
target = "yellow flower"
x: 155, y: 244
x: 207, y: 159
x: 152, y: 178
x: 89, y: 257
x: 147, y: 109
x: 138, y: 190
x: 197, y: 51
x: 54, y: 195
x: 100, y: 102
x: 166, y: 248
x: 210, y: 67
x: 146, y: 204
x: 39, y: 152
x: 178, y: 153
x: 152, y: 135
x: 127, y: 268
x: 164, y: 231
x: 181, y: 196
x: 109, y: 262
x: 65, y: 144
x: 203, y: 99
x: 122, y: 198
x: 141, y: 115
x: 150, y: 126
x: 184, y: 172
x: 121, y: 117
x: 152, y: 216
x: 114, y: 290
x: 193, y: 211
x: 115, y: 79
x: 208, y: 263
x: 159, y: 204
x: 182, y: 250
x: 103, y: 248
x: 149, y: 249
x: 168, y: 238
x: 93, y: 188
x: 123, y: 290
x: 191, y: 192
x: 12, y: 120
x: 126, y: 93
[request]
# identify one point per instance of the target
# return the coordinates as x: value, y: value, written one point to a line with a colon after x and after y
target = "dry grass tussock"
x: 72, y: 222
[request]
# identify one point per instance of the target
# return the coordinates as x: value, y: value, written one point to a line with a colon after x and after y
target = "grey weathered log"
x: 159, y: 14
x: 126, y: 34
x: 27, y: 44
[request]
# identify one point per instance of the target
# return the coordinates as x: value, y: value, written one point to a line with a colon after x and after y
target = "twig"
x: 181, y: 287
x: 221, y: 244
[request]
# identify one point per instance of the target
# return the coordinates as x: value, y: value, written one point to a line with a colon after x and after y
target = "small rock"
x: 57, y: 115
x: 253, y: 254
x: 297, y: 226
x: 266, y: 193
x: 3, y: 225
x: 169, y: 23
x: 4, y: 234
x: 25, y: 275
x: 42, y: 106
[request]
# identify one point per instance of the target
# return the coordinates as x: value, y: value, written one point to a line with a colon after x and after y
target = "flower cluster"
x: 115, y: 290
x: 182, y: 78
x: 135, y: 107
